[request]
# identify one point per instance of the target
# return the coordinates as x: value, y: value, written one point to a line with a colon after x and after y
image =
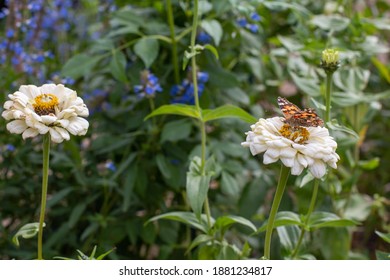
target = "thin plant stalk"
x: 309, y: 211
x: 45, y: 177
x: 284, y: 173
x: 329, y: 78
x: 202, y: 125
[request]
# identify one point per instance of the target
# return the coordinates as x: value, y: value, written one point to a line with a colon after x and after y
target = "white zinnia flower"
x: 297, y: 148
x: 51, y: 108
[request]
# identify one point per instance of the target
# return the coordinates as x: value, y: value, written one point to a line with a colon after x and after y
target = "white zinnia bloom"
x: 313, y: 148
x: 51, y: 108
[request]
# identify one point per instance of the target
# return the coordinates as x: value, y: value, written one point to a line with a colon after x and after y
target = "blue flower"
x: 110, y: 166
x: 10, y: 33
x: 253, y: 28
x: 242, y: 22
x: 255, y: 16
x: 149, y: 85
x: 10, y: 147
x: 203, y: 38
x: 184, y: 93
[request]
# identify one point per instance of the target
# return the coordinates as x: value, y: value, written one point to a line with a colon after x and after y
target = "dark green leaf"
x: 188, y: 218
x: 331, y: 22
x: 384, y: 236
x: 200, y: 239
x: 128, y: 186
x: 197, y: 187
x: 325, y: 219
x: 79, y: 65
x: 283, y: 218
x: 176, y: 109
x: 76, y: 213
x: 229, y: 184
x: 227, y: 111
x: 337, y: 242
x: 163, y: 166
x: 288, y: 236
x: 382, y: 255
x: 225, y: 222
x: 124, y: 164
x: 176, y: 130
x: 212, y: 49
x: 147, y: 49
x: 118, y: 66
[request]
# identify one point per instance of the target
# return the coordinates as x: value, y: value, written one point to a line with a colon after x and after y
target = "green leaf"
x: 77, y: 211
x: 118, y: 66
x: 197, y: 186
x: 200, y: 239
x: 384, y: 236
x: 187, y: 218
x: 283, y: 218
x: 163, y: 166
x: 214, y: 29
x: 331, y: 22
x: 229, y: 184
x: 79, y: 65
x: 369, y: 164
x: 128, y: 186
x: 227, y: 111
x: 306, y: 84
x: 337, y: 242
x: 26, y: 231
x: 176, y: 109
x: 147, y: 49
x: 383, y: 70
x: 176, y: 130
x: 212, y: 49
x: 326, y: 219
x: 124, y: 164
x: 288, y: 237
x: 225, y: 222
x: 382, y: 255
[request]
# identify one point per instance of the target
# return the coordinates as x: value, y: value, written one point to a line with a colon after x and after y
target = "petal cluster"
x: 315, y: 154
x: 64, y: 118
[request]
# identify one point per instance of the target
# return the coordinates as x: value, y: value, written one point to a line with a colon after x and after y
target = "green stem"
x: 193, y: 59
x: 45, y: 177
x: 202, y: 124
x: 329, y: 77
x: 309, y: 211
x: 171, y: 23
x: 284, y: 173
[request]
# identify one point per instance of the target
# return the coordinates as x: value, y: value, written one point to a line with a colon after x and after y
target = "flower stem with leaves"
x: 284, y: 173
x: 45, y: 177
x: 202, y: 125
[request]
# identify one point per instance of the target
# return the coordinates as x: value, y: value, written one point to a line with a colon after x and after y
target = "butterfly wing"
x: 288, y: 109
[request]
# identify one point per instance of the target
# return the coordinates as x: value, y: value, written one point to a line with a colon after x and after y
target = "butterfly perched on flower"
x: 294, y: 116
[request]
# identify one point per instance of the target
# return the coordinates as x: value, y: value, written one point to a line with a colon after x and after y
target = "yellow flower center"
x: 45, y: 104
x: 298, y: 134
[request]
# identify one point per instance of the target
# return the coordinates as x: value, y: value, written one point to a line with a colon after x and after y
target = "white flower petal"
x: 30, y: 133
x: 77, y: 126
x: 297, y: 168
x: 267, y: 159
x: 289, y: 162
x: 17, y: 126
x: 318, y: 169
x: 48, y: 119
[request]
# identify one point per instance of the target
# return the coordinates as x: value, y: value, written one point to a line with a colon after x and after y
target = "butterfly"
x: 294, y: 116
